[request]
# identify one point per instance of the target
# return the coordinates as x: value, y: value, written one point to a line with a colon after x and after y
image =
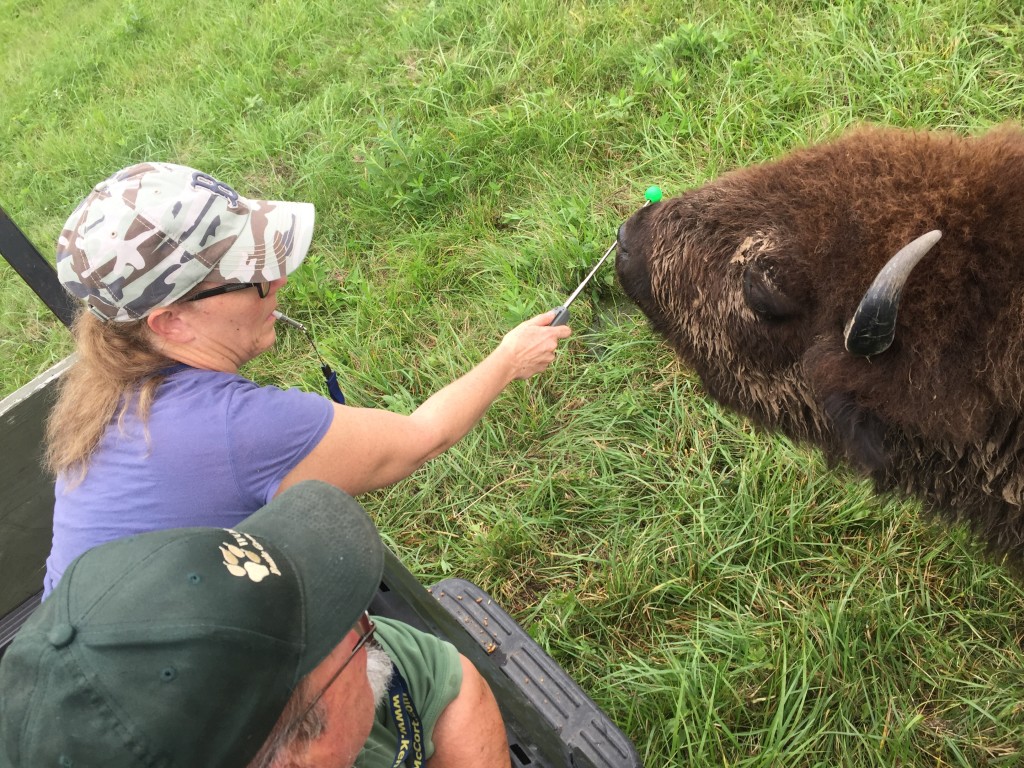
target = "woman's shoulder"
x: 232, y: 391
x: 185, y: 382
x: 187, y: 376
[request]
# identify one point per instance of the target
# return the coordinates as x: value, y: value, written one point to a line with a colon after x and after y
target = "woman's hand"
x: 530, y: 347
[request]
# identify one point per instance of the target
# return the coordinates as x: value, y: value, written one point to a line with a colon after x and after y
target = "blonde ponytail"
x: 117, y: 371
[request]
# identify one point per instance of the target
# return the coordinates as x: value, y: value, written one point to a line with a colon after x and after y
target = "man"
x: 227, y: 648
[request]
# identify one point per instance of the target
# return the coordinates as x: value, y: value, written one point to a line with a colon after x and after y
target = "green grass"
x: 722, y: 595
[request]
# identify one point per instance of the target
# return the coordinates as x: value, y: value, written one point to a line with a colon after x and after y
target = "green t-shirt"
x: 433, y: 672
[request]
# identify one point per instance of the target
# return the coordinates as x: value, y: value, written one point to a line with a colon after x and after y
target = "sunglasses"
x: 262, y: 288
x: 366, y: 629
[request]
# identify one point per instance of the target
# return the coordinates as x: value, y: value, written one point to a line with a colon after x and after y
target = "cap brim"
x: 305, y: 218
x: 259, y: 260
x: 337, y: 553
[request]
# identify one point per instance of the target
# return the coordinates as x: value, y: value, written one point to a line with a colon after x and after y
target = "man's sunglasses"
x: 366, y: 628
x: 262, y: 288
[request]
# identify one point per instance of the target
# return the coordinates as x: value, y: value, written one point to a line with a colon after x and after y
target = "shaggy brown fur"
x: 752, y: 278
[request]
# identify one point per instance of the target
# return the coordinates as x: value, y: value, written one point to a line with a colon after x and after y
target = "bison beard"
x: 754, y: 280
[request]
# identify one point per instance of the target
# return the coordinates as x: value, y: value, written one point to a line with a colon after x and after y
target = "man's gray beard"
x: 379, y: 670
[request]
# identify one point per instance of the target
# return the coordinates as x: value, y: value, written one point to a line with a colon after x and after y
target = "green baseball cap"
x: 151, y: 232
x: 181, y: 647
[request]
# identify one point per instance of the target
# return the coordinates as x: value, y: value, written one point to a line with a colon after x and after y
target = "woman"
x: 154, y: 428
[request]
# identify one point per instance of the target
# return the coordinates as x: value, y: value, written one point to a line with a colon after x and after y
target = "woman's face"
x: 235, y: 326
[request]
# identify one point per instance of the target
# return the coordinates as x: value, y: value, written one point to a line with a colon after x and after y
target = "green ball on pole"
x: 652, y: 195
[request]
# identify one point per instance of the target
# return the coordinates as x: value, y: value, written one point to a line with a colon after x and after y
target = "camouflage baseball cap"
x: 151, y: 232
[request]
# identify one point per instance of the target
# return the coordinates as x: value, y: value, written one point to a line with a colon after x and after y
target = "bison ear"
x: 763, y: 294
x: 860, y: 431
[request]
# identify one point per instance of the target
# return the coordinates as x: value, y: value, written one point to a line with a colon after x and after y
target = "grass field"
x: 726, y: 598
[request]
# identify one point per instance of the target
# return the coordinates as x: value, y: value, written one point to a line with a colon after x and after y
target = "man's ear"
x: 169, y: 324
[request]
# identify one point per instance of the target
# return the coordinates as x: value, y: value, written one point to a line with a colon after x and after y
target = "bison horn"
x: 873, y: 326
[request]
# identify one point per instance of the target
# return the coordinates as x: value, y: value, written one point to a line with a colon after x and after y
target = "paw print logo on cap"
x: 242, y: 562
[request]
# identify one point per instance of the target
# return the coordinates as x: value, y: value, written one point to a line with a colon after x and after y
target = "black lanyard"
x: 330, y: 377
x: 332, y: 384
x: 410, y: 731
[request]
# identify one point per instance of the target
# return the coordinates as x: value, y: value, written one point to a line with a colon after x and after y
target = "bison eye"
x: 764, y: 296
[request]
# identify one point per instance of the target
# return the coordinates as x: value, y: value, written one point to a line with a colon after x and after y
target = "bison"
x: 790, y: 288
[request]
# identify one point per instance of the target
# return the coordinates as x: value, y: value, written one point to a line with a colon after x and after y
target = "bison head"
x: 779, y: 285
x: 749, y: 328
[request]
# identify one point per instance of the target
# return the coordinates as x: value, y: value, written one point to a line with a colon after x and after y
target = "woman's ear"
x: 170, y: 324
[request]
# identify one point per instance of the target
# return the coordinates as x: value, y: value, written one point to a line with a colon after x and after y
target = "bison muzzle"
x: 865, y: 296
